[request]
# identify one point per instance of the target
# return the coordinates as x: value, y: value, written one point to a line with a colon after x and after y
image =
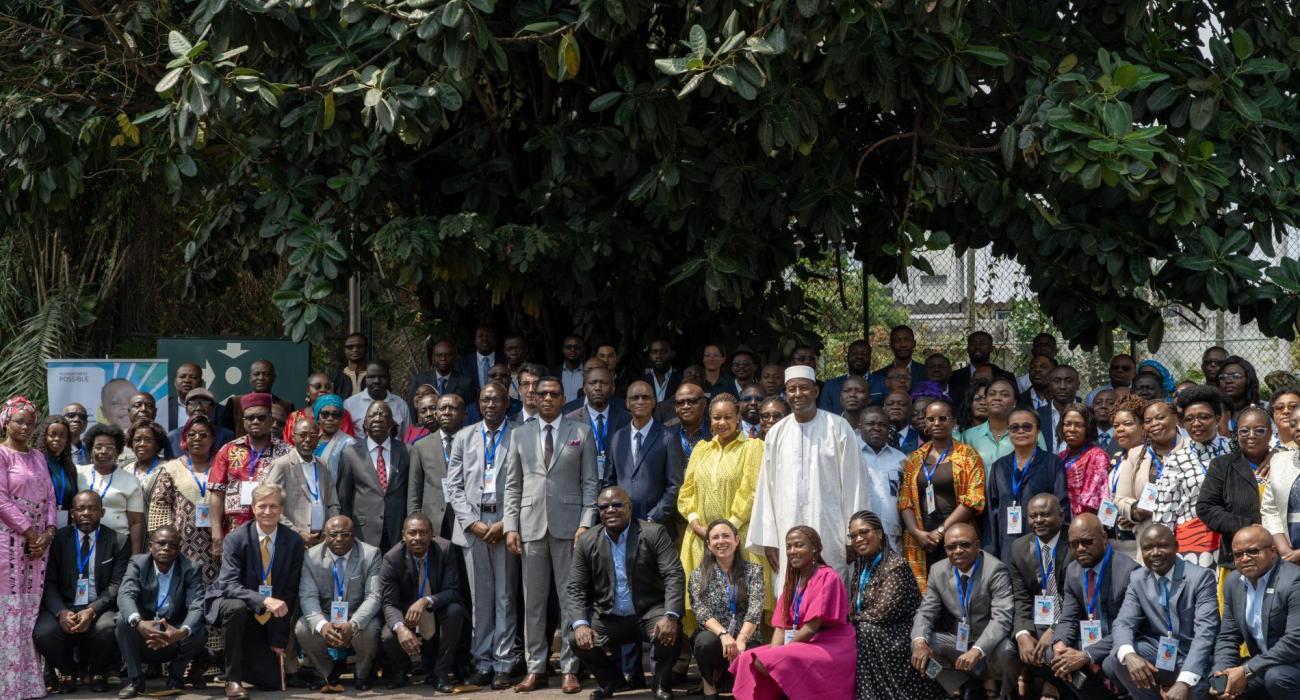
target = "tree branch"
x: 89, y: 6
x: 888, y: 139
x: 537, y: 37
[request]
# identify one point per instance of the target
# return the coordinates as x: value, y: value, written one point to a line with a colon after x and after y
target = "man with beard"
x: 663, y: 379
x: 979, y: 348
x: 858, y: 360
x: 751, y: 405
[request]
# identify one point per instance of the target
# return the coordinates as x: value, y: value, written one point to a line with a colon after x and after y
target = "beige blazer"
x: 1282, y: 472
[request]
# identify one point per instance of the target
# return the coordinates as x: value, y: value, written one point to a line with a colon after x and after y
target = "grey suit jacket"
x: 428, y: 469
x: 1073, y: 608
x: 990, y: 604
x: 1281, y: 617
x: 465, y: 476
x: 286, y: 470
x: 316, y: 587
x: 1193, y: 604
x: 554, y: 499
x: 374, y: 512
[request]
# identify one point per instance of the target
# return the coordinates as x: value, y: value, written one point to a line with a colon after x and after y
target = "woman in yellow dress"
x: 720, y: 482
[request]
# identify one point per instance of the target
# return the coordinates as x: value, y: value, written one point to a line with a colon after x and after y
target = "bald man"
x: 1261, y: 608
x: 341, y: 604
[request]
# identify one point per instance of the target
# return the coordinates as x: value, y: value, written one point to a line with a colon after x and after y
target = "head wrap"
x: 324, y: 401
x: 1166, y: 378
x: 254, y: 400
x: 12, y: 407
x: 800, y: 372
x: 930, y: 389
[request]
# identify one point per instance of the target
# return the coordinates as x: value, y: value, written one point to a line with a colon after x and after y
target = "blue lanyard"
x: 1044, y: 575
x: 1160, y: 466
x: 152, y: 466
x: 424, y: 577
x: 929, y: 473
x: 731, y: 591
x: 490, y: 450
x: 90, y: 554
x: 339, y: 580
x: 1018, y: 475
x: 964, y: 592
x: 1114, y: 474
x: 1077, y: 456
x: 315, y: 495
x: 203, y: 487
x: 1164, y: 603
x: 254, y: 458
x: 798, y: 601
x: 600, y: 436
x: 263, y: 574
x: 1091, y: 603
x: 320, y: 448
x: 60, y: 482
x: 686, y: 444
x: 162, y: 604
x: 103, y: 493
x: 864, y: 578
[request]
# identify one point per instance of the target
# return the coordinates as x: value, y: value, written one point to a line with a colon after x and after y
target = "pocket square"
x: 575, y: 443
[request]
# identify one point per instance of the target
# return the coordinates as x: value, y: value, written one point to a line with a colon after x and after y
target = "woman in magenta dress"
x: 27, y: 513
x: 813, y: 650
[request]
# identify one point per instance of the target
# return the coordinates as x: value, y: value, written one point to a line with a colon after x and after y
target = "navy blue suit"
x: 618, y: 418
x: 654, y: 479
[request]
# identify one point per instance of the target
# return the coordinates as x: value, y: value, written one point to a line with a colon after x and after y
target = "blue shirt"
x: 622, y: 588
x: 1255, y: 607
x: 164, y: 585
x: 829, y: 398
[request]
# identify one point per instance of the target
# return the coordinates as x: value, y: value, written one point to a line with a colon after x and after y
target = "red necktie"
x: 1092, y: 584
x: 381, y: 470
x: 753, y: 431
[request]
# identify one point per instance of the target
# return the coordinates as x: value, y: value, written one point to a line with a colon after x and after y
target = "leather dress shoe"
x: 99, y: 685
x: 531, y: 682
x: 131, y: 689
x: 570, y: 684
x: 442, y: 684
x: 397, y: 681
x: 601, y: 694
x: 482, y: 679
x: 362, y: 684
x: 500, y: 680
x: 235, y: 692
x: 68, y: 686
x: 663, y: 694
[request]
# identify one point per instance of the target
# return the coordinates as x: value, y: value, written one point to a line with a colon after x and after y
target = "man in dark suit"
x: 642, y: 461
x: 1038, y: 565
x: 189, y: 376
x: 1261, y: 608
x: 599, y: 412
x: 612, y: 402
x: 444, y: 377
x: 979, y: 348
x: 979, y: 593
x: 422, y: 610
x: 79, y: 607
x: 1165, y: 631
x: 161, y: 615
x: 1082, y: 638
x: 626, y: 585
x: 477, y: 363
x: 443, y: 416
x: 1063, y: 387
x: 373, y: 480
x: 255, y: 594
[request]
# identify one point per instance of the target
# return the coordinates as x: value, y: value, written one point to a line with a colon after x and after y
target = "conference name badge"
x: 1148, y: 500
x: 1167, y: 654
x: 1089, y: 632
x: 246, y: 489
x: 963, y: 637
x: 339, y: 612
x: 1044, y: 609
x: 61, y: 517
x: 929, y: 499
x: 1015, y: 521
x: 264, y: 590
x: 1108, y: 514
x: 202, y: 516
x: 82, y: 596
x: 789, y: 636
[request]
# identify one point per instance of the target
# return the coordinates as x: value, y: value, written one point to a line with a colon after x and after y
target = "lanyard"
x: 162, y: 604
x: 1091, y: 603
x: 1114, y: 474
x: 864, y: 578
x: 599, y: 435
x: 103, y: 493
x: 1018, y: 475
x: 82, y: 562
x: 263, y: 574
x: 60, y: 482
x: 254, y: 458
x: 314, y: 494
x: 1077, y: 456
x: 203, y: 486
x: 1160, y: 466
x: 339, y: 580
x: 320, y: 448
x: 424, y: 577
x: 964, y: 592
x: 731, y: 591
x: 1164, y: 603
x: 798, y: 600
x: 152, y: 466
x: 490, y: 452
x: 1044, y: 575
x: 686, y: 444
x: 929, y: 473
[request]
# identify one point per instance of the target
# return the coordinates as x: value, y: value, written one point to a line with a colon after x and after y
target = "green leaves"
x: 988, y: 55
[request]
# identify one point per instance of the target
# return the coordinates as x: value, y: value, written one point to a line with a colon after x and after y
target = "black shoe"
x: 362, y: 684
x: 133, y: 689
x: 482, y: 679
x: 636, y: 681
x: 304, y: 678
x: 68, y: 686
x: 99, y: 685
x: 663, y: 694
x: 397, y: 681
x: 442, y: 684
x: 601, y: 693
x: 500, y: 680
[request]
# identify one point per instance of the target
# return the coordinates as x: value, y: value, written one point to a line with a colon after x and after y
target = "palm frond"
x: 51, y: 332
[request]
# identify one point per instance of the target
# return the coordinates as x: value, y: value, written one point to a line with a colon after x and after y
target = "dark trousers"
x: 1092, y: 688
x: 135, y: 654
x: 439, y: 653
x: 1277, y: 683
x: 612, y: 632
x: 249, y: 657
x: 708, y: 655
x: 95, y: 644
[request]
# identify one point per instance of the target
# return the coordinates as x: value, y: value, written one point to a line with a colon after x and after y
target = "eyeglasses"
x: 1200, y: 418
x: 1083, y: 542
x: 1259, y: 431
x: 331, y: 414
x: 1231, y: 376
x: 1251, y: 552
x: 572, y: 346
x: 1021, y: 427
x: 638, y: 397
x: 616, y: 505
x: 73, y: 415
x: 958, y: 546
x: 544, y: 394
x: 771, y: 416
x: 689, y: 401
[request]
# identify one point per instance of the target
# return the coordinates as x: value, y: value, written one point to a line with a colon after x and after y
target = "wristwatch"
x: 941, y: 529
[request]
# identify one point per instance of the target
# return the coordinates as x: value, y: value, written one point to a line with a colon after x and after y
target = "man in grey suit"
x: 965, y: 617
x: 476, y: 487
x: 1164, y: 635
x: 1083, y: 636
x: 1037, y: 567
x: 1261, y: 608
x: 442, y: 416
x: 340, y: 598
x: 309, y: 495
x: 372, y: 482
x: 551, y: 485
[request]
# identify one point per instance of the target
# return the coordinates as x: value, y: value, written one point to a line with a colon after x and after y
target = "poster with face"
x: 111, y: 390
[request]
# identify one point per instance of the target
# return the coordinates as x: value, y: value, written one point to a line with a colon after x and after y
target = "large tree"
x: 627, y: 166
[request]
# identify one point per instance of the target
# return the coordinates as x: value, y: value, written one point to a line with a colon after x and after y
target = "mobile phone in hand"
x: 1219, y: 684
x: 933, y: 668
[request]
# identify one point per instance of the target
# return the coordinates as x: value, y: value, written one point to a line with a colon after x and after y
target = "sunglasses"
x: 957, y: 546
x: 1251, y: 553
x: 331, y: 414
x: 257, y: 417
x: 1232, y: 376
x: 544, y: 394
x: 616, y: 505
x: 75, y: 416
x: 689, y: 402
x: 1259, y: 431
x: 638, y: 397
x: 1021, y: 427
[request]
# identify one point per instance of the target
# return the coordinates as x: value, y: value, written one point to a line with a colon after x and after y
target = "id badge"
x: 1015, y: 524
x: 317, y: 517
x: 83, y: 592
x: 202, y: 516
x: 1044, y: 610
x: 1089, y: 632
x: 1108, y: 514
x: 929, y: 499
x: 61, y: 518
x: 1167, y: 654
x: 265, y: 591
x: 789, y: 636
x: 963, y: 637
x: 339, y: 612
x: 246, y: 492
x: 600, y: 463
x: 490, y: 485
x: 1148, y: 500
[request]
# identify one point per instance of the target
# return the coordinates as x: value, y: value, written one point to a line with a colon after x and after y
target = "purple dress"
x: 26, y: 500
x: 821, y: 669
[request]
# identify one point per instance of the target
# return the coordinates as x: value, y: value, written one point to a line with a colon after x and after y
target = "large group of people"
x: 915, y: 532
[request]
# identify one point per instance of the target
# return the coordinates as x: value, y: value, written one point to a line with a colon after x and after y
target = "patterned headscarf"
x: 930, y: 389
x: 1166, y: 377
x: 12, y: 407
x: 325, y: 401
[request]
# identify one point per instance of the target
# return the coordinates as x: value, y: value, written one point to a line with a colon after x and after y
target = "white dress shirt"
x: 373, y: 448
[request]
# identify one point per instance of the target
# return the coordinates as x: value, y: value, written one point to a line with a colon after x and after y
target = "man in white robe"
x: 811, y: 467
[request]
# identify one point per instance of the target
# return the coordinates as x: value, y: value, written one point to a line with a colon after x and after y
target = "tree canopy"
x: 633, y: 166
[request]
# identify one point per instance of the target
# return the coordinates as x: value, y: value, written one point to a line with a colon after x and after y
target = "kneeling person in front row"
x: 161, y: 614
x: 625, y: 586
x: 422, y: 610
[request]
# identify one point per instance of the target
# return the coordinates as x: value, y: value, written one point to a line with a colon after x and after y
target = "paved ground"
x: 407, y: 693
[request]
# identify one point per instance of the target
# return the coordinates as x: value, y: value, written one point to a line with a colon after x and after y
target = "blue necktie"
x: 483, y: 371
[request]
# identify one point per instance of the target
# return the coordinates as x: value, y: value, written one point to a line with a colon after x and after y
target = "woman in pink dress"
x: 27, y: 523
x: 813, y: 648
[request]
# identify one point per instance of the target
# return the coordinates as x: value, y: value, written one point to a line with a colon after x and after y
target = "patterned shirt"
x: 1085, y: 478
x: 230, y: 473
x: 1179, y: 485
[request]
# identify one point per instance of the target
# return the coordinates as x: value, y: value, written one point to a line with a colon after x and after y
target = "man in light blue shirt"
x: 1261, y: 608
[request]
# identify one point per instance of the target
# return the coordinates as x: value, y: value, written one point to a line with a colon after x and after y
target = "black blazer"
x: 654, y: 572
x: 1229, y: 500
x: 463, y: 385
x: 241, y: 557
x: 1026, y: 579
x: 399, y: 580
x: 468, y: 364
x: 1113, y: 588
x: 959, y: 382
x: 654, y: 479
x: 1280, y: 613
x: 138, y: 593
x: 111, y: 554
